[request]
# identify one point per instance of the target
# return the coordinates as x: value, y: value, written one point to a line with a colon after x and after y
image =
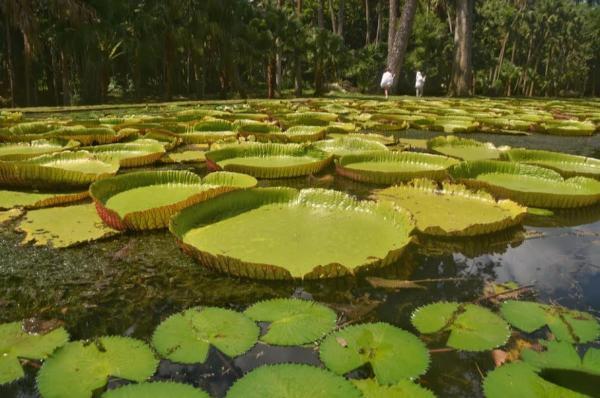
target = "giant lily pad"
x: 268, y: 160
x: 311, y: 233
x: 148, y: 199
x: 307, y: 119
x: 565, y: 164
x: 16, y: 343
x: 208, y: 131
x: 403, y: 389
x: 87, y: 135
x: 292, y: 321
x: 568, y: 127
x: 59, y: 169
x: 463, y: 148
x: 394, y: 354
x: 471, y: 327
x: 187, y: 336
x: 79, y: 368
x: 160, y: 389
x: 304, y: 133
x: 453, y: 210
x: 566, y: 325
x: 383, y: 167
x: 34, y: 200
x: 28, y: 150
x: 292, y: 381
x: 64, y: 226
x: 346, y: 145
x: 130, y: 154
x: 529, y: 185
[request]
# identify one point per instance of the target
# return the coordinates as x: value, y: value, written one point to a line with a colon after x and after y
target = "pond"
x: 128, y: 284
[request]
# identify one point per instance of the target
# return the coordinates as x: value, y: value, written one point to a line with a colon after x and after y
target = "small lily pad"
x: 403, y: 389
x: 79, y: 368
x: 293, y: 321
x: 159, y: 389
x: 562, y: 355
x: 566, y: 325
x: 16, y: 343
x: 292, y: 381
x: 394, y: 354
x: 471, y: 327
x: 186, y: 337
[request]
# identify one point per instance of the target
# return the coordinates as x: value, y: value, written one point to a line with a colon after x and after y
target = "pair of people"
x: 387, y: 80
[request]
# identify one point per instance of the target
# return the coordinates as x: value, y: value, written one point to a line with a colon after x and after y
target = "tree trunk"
x: 368, y: 23
x: 271, y: 77
x: 298, y: 58
x: 64, y: 63
x: 341, y: 18
x: 332, y: 15
x: 9, y: 59
x: 500, y: 58
x: 462, y: 68
x: 396, y: 57
x: 379, y: 22
x: 27, y: 56
x: 321, y: 14
x: 393, y: 21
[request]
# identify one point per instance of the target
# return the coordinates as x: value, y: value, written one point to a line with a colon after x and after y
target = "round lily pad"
x: 130, y: 154
x: 453, y: 210
x: 28, y: 150
x: 268, y: 160
x: 471, y: 327
x: 16, y: 343
x: 565, y: 324
x: 565, y: 164
x: 187, y: 336
x: 386, y: 167
x: 293, y: 321
x: 160, y: 389
x: 463, y: 148
x: 563, y: 355
x: 346, y: 145
x: 148, y: 199
x: 403, y: 389
x: 394, y: 354
x: 37, y: 199
x: 312, y: 233
x: 79, y: 368
x: 526, y: 184
x: 292, y: 381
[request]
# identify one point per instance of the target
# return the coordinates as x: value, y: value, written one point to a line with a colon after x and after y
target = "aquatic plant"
x: 463, y: 148
x: 28, y: 150
x: 370, y: 388
x: 159, y: 389
x: 565, y: 164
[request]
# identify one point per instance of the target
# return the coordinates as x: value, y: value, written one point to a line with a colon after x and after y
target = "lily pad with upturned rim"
x: 28, y: 150
x: 37, y: 199
x: 268, y: 160
x: 453, y: 210
x: 346, y: 145
x: 463, y: 148
x: 393, y: 353
x: 158, y: 389
x: 292, y: 321
x: 565, y: 164
x: 130, y: 154
x: 186, y: 337
x: 147, y: 199
x: 312, y: 233
x: 386, y: 167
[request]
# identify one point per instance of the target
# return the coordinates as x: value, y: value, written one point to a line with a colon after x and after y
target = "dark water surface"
x: 128, y: 284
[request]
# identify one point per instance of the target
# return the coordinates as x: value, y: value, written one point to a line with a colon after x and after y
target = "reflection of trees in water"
x: 566, y: 217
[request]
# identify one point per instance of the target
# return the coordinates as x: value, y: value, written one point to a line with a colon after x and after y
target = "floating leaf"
x: 566, y: 325
x: 159, y: 389
x: 346, y: 145
x: 292, y: 381
x: 186, y: 337
x: 463, y: 148
x: 130, y: 154
x: 565, y: 164
x: 562, y: 355
x: 393, y: 353
x: 34, y: 200
x: 293, y: 321
x: 471, y: 327
x: 403, y: 389
x: 9, y: 215
x: 79, y: 368
x: 16, y: 343
x: 61, y: 227
x: 28, y: 150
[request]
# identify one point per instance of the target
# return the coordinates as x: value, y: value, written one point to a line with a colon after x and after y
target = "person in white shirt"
x: 387, y: 80
x: 420, y: 83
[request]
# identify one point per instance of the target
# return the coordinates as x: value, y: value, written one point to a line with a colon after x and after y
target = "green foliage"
x: 292, y: 381
x: 471, y: 327
x: 292, y: 321
x: 156, y: 390
x: 393, y: 353
x: 187, y: 336
x: 403, y: 389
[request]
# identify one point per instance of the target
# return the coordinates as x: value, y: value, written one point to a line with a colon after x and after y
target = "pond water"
x: 128, y: 284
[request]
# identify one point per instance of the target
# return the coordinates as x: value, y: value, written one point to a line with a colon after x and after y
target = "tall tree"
x: 393, y: 21
x: 462, y: 68
x: 396, y: 57
x: 298, y: 58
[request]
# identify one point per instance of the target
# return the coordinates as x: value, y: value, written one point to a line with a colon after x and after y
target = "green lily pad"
x: 28, y: 150
x: 471, y: 327
x: 463, y: 148
x: 394, y: 354
x: 61, y: 227
x: 16, y: 343
x: 346, y: 145
x: 268, y: 160
x: 34, y: 200
x: 526, y: 184
x: 292, y: 381
x: 562, y: 355
x: 79, y: 368
x: 307, y: 119
x: 564, y: 164
x: 208, y: 131
x: 88, y: 135
x: 453, y: 210
x: 293, y: 321
x: 568, y: 127
x: 147, y: 199
x: 566, y: 325
x: 187, y: 336
x: 386, y: 167
x: 312, y: 233
x: 130, y: 154
x: 160, y: 389
x: 10, y: 215
x: 403, y: 389
x: 304, y: 133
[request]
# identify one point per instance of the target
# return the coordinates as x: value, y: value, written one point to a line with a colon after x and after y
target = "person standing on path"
x: 387, y: 80
x: 420, y: 83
